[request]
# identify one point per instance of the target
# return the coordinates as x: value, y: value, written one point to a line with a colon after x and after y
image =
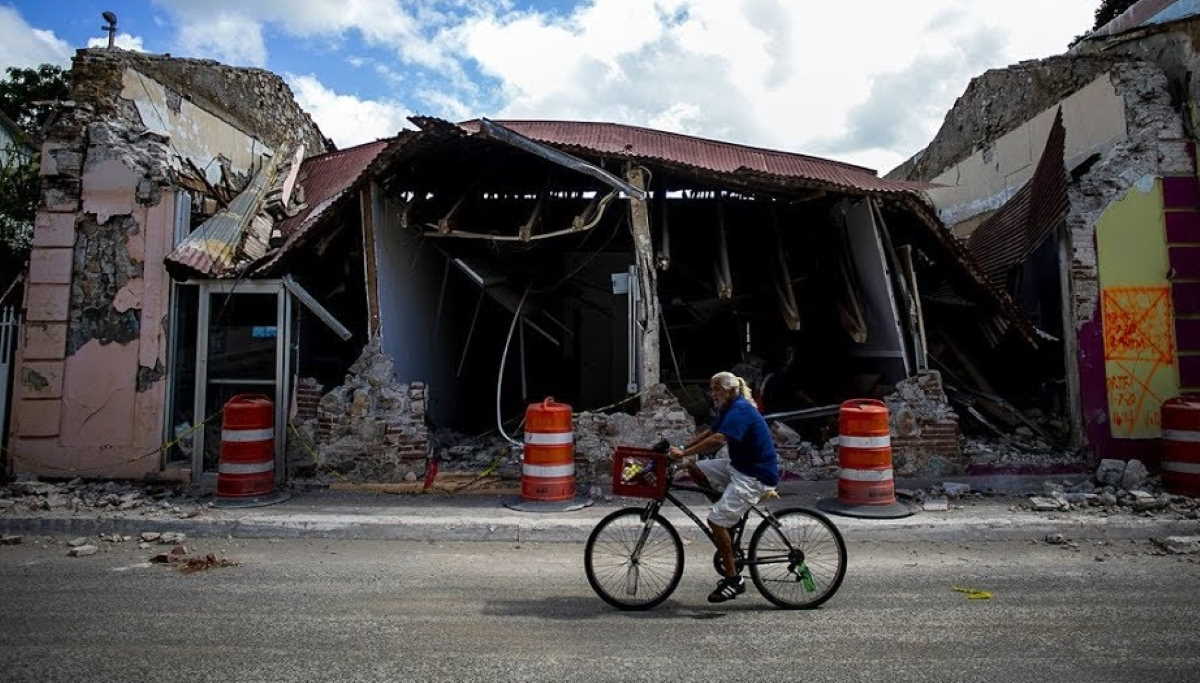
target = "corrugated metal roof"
x: 1010, y: 235
x: 714, y: 156
x: 212, y: 249
x: 325, y: 179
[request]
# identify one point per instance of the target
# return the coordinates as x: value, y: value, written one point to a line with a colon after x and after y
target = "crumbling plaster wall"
x: 1018, y: 103
x: 90, y: 368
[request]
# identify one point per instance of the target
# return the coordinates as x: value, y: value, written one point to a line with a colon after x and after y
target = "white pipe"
x: 503, y: 360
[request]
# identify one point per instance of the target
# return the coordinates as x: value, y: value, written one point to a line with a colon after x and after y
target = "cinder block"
x: 48, y: 303
x: 45, y: 341
x: 40, y: 379
x: 50, y: 265
x: 54, y: 229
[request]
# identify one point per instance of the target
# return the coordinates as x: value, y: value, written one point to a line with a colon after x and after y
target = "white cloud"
x: 798, y: 76
x: 228, y: 37
x: 407, y: 28
x: 21, y: 45
x: 864, y: 82
x: 346, y: 119
x: 124, y: 41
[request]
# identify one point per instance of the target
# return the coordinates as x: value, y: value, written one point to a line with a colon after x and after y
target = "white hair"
x: 728, y: 380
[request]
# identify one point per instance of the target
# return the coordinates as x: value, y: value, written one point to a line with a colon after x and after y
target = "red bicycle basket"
x: 639, y: 473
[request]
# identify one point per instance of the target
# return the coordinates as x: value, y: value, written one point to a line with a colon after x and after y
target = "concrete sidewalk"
x: 433, y: 517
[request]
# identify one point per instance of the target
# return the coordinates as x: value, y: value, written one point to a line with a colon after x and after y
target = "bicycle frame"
x: 735, y: 533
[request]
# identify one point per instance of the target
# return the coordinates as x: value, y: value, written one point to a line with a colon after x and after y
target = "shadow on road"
x: 578, y: 608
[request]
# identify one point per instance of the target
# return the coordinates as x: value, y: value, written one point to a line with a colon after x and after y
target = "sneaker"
x: 728, y: 589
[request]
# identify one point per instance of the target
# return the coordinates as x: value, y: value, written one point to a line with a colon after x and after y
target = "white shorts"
x: 741, y: 491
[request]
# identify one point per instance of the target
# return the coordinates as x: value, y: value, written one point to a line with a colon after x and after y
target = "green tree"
x: 1109, y: 10
x: 22, y: 88
x: 20, y: 189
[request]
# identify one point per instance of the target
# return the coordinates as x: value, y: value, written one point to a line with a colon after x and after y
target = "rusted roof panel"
x: 714, y: 156
x: 1010, y: 235
x: 325, y: 179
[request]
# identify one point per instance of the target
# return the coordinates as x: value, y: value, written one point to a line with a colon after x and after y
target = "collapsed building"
x: 199, y: 239
x: 1073, y: 182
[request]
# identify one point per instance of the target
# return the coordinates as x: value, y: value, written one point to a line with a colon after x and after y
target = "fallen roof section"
x: 1020, y: 226
x: 327, y: 179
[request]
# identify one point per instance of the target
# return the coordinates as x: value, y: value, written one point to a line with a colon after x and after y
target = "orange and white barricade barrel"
x: 548, y: 466
x: 1181, y: 446
x: 246, y: 469
x: 866, y: 487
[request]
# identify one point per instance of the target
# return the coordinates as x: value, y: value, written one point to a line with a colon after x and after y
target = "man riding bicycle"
x: 749, y: 473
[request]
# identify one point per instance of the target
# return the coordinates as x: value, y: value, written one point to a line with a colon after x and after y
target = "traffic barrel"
x: 246, y: 468
x: 1180, y: 461
x: 548, y: 465
x: 866, y: 485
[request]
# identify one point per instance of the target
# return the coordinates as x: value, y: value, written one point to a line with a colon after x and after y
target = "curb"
x: 565, y: 530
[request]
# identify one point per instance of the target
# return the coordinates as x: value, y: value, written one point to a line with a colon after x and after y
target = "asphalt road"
x: 361, y: 610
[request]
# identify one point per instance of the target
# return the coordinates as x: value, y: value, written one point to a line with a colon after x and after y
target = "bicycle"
x: 634, y: 557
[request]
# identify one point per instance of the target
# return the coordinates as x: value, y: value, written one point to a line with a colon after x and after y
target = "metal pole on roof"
x: 110, y: 28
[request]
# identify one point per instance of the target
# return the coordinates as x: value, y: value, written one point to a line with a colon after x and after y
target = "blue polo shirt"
x: 751, y: 448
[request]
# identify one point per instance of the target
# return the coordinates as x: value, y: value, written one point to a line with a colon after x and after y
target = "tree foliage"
x: 21, y: 88
x: 20, y: 188
x: 1109, y: 10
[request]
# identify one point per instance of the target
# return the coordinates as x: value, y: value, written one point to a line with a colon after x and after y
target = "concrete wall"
x: 1094, y: 118
x: 1136, y: 310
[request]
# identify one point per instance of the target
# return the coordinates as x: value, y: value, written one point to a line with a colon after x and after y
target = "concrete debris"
x: 143, y: 545
x: 1110, y: 472
x: 1134, y: 475
x: 77, y: 542
x: 1179, y: 545
x: 83, y: 551
x: 151, y: 535
x: 936, y: 504
x: 172, y: 537
x: 1056, y: 539
x: 79, y: 497
x: 1047, y: 504
x: 8, y: 539
x: 1031, y: 458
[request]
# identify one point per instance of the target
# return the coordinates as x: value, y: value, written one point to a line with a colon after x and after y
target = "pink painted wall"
x: 82, y: 415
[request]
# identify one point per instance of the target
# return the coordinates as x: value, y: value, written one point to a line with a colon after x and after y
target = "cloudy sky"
x: 864, y: 81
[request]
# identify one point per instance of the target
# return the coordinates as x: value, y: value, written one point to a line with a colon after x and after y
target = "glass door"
x: 240, y: 342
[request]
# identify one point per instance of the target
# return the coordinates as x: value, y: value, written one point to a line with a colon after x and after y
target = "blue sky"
x: 799, y: 75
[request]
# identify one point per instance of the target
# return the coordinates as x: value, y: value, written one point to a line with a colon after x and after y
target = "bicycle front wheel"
x: 797, y: 560
x: 631, y: 563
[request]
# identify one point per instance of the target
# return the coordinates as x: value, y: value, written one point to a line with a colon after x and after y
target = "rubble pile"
x: 1118, y: 487
x: 79, y: 496
x: 597, y: 434
x: 371, y: 428
x: 1032, y: 457
x: 925, y: 431
x: 800, y: 459
x: 457, y: 452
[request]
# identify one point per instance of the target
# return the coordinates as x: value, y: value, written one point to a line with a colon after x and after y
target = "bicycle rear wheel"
x: 799, y: 564
x: 633, y: 564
